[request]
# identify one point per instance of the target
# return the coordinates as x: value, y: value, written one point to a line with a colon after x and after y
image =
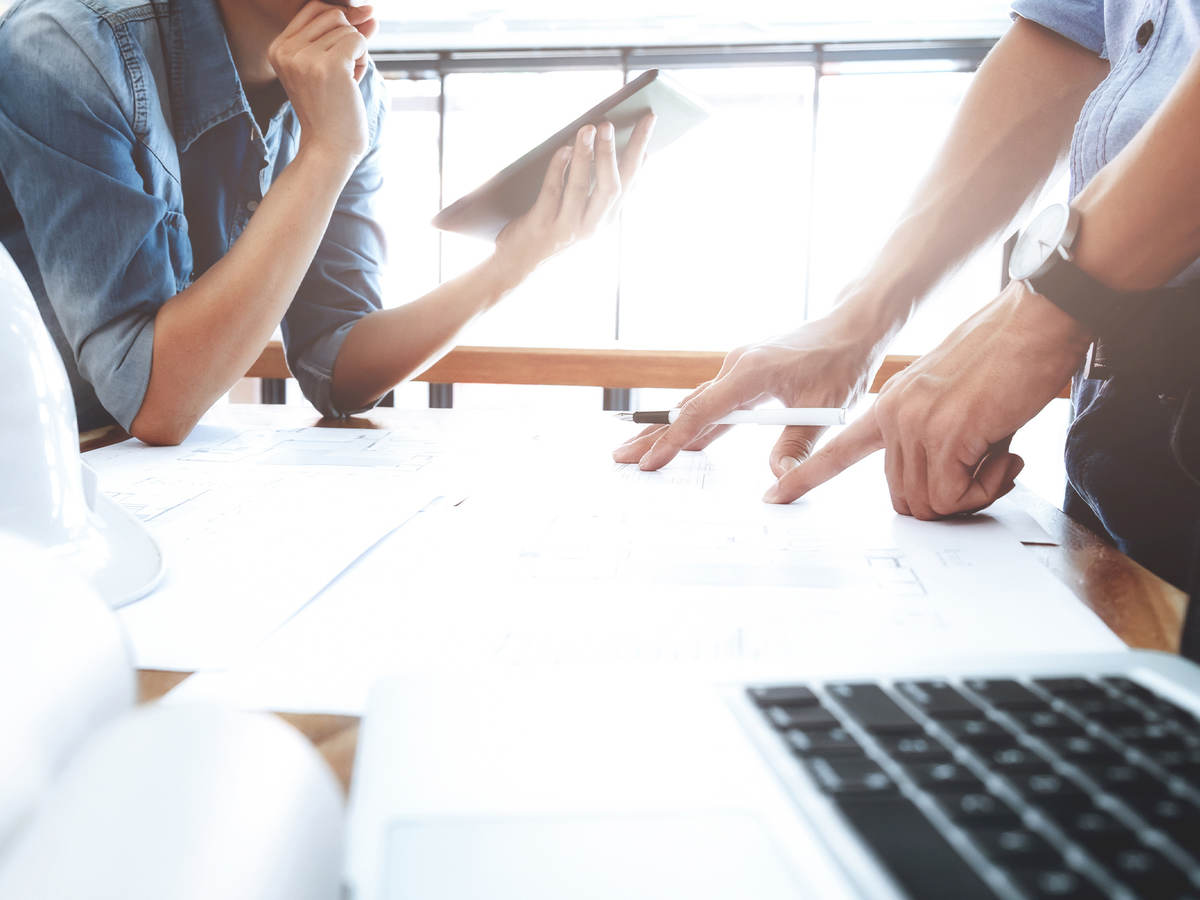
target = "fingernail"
x: 774, y: 494
x: 606, y: 131
x: 589, y: 136
x: 787, y: 463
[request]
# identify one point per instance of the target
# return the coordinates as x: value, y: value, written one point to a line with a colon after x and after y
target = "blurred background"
x: 823, y: 118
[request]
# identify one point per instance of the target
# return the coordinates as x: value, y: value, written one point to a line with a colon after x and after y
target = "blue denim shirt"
x: 130, y: 162
x: 1145, y: 62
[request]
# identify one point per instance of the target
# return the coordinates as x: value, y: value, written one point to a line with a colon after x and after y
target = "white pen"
x: 789, y: 416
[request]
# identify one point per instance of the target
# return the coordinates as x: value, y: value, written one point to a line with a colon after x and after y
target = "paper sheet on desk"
x: 645, y: 569
x: 254, y: 524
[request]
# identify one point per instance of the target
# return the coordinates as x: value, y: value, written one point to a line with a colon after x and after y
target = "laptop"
x: 1050, y: 776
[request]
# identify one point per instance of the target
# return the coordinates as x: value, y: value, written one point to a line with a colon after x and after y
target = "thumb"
x: 793, y: 447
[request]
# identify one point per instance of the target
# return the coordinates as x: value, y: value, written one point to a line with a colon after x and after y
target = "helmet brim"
x: 120, y: 558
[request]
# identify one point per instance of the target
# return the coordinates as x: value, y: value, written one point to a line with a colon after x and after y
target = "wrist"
x: 865, y: 318
x: 499, y: 275
x: 506, y: 270
x: 331, y: 163
x: 1041, y: 323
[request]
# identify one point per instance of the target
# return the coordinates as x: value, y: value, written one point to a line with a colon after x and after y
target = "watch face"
x: 1037, y: 247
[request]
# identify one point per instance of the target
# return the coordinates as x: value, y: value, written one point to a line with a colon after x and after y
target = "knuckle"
x: 941, y: 505
x: 911, y: 417
x: 799, y: 447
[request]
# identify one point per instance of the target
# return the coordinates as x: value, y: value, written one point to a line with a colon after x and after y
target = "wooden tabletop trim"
x: 613, y: 367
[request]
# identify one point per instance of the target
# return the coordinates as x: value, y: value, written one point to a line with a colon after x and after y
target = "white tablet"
x: 509, y: 193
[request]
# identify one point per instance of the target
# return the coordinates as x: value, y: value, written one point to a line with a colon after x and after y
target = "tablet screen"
x: 508, y: 194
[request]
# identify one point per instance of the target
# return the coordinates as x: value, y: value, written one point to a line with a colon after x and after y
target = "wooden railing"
x: 617, y: 367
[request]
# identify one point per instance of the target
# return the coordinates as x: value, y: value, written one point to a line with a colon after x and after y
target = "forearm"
x: 206, y: 337
x: 1008, y: 137
x: 1140, y: 215
x: 392, y: 345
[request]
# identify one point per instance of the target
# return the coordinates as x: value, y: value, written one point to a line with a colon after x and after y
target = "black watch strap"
x: 1099, y: 308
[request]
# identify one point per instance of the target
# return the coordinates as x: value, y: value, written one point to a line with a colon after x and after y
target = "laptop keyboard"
x: 1050, y: 787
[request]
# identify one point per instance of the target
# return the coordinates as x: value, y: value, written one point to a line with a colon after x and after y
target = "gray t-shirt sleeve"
x: 1081, y: 21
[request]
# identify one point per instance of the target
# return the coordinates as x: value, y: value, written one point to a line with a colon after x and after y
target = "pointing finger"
x: 860, y: 439
x: 793, y: 447
x: 719, y: 399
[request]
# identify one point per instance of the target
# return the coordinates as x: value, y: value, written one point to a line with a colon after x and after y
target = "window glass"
x: 715, y: 234
x: 492, y: 119
x: 410, y: 189
x: 877, y: 135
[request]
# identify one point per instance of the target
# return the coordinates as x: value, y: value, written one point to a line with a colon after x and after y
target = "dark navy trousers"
x: 1133, y: 471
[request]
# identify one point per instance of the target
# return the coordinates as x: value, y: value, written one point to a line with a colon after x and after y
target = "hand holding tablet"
x: 580, y: 190
x: 619, y: 126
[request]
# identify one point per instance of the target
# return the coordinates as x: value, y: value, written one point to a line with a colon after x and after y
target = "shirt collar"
x: 205, y: 87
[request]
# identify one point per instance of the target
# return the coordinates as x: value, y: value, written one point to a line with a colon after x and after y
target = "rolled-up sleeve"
x: 1081, y: 21
x: 343, y: 283
x: 103, y: 244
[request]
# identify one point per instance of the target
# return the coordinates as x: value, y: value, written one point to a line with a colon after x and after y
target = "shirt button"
x: 252, y: 205
x: 1144, y: 33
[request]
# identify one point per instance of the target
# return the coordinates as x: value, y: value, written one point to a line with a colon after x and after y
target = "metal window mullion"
x: 966, y: 52
x: 818, y: 74
x: 620, y: 232
x: 441, y: 166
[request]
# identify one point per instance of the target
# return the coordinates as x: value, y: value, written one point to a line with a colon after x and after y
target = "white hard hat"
x: 47, y: 494
x: 66, y: 667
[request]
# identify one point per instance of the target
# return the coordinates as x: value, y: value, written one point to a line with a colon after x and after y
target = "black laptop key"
x: 1148, y: 736
x: 1015, y: 761
x: 1108, y: 711
x: 873, y: 709
x: 823, y: 742
x: 914, y: 748
x: 1056, y: 883
x: 856, y: 775
x: 942, y: 776
x: 977, y: 733
x: 1085, y: 750
x: 1039, y: 722
x: 1134, y: 785
x: 1150, y: 874
x: 1096, y: 831
x: 1065, y: 687
x: 1004, y: 693
x: 1015, y: 847
x: 1179, y: 819
x: 1052, y: 792
x: 1185, y: 766
x: 937, y: 699
x: 785, y: 717
x: 1124, y: 685
x: 976, y: 808
x: 783, y: 695
x: 1156, y: 704
x: 915, y: 853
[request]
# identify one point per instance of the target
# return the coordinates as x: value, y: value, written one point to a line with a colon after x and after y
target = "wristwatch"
x: 1042, y: 259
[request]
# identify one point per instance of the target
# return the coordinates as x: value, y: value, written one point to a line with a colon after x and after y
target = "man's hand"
x: 946, y: 421
x: 824, y: 363
x: 320, y: 58
x: 569, y: 208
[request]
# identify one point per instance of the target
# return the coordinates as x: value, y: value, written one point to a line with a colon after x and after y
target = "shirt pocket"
x: 179, y: 245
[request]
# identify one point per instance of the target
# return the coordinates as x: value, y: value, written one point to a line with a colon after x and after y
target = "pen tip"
x: 625, y: 416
